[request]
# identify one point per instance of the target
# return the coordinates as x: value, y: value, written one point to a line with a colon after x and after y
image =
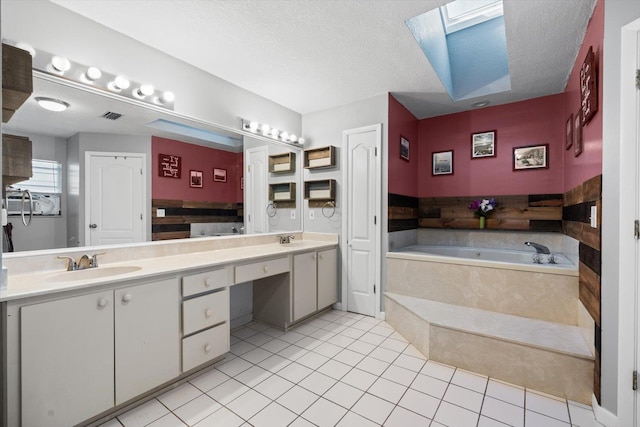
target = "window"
x: 460, y: 14
x: 46, y: 179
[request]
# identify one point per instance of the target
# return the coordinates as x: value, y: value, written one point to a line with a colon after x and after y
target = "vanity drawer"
x: 260, y: 269
x: 207, y: 310
x: 205, y: 346
x: 203, y: 282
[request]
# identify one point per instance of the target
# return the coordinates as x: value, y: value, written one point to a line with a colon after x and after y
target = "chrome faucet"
x: 540, y: 249
x: 85, y: 261
x: 286, y: 239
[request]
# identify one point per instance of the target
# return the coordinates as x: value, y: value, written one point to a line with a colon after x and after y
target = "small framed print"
x: 404, y: 148
x: 483, y: 144
x: 219, y: 175
x: 568, y: 132
x: 195, y: 180
x: 577, y: 135
x: 169, y: 166
x: 531, y: 157
x: 442, y: 163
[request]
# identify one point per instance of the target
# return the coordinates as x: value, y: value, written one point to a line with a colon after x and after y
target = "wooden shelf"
x: 318, y: 158
x: 282, y: 163
x: 17, y: 81
x: 282, y: 192
x: 321, y: 190
x: 16, y: 159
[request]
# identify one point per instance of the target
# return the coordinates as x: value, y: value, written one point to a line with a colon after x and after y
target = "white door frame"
x: 378, y: 212
x: 87, y: 184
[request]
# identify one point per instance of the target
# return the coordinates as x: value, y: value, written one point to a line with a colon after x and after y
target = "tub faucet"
x: 540, y: 249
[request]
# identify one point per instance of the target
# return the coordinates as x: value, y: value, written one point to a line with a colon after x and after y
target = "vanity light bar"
x: 94, y: 77
x: 269, y: 132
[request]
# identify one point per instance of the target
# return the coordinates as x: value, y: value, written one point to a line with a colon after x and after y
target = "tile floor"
x: 344, y: 369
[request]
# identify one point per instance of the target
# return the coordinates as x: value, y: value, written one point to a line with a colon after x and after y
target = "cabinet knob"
x: 207, y: 348
x: 208, y: 313
x: 313, y: 256
x: 320, y: 256
x: 126, y: 298
x: 102, y: 302
x: 208, y: 282
x: 266, y: 268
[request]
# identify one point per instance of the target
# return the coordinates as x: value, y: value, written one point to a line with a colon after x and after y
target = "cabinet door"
x: 147, y: 337
x: 327, y: 278
x: 67, y: 360
x: 305, y: 299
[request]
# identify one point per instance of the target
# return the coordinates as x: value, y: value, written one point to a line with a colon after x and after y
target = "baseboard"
x: 381, y: 316
x: 603, y: 416
x: 338, y: 306
x: 242, y: 320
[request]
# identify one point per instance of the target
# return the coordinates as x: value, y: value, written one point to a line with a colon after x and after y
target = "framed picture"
x: 169, y: 166
x: 195, y: 180
x: 568, y: 133
x: 531, y: 157
x: 442, y: 163
x: 483, y: 144
x: 588, y: 88
x: 219, y: 175
x: 404, y: 148
x: 577, y: 135
x: 242, y: 182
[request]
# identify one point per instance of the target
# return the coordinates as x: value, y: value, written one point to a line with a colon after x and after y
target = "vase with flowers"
x: 482, y: 208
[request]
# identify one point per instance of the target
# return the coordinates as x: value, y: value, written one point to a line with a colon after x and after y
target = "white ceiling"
x: 312, y: 55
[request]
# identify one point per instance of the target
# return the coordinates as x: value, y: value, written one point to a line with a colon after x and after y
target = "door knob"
x: 93, y: 225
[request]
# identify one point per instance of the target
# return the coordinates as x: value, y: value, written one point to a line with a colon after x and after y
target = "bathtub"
x: 497, y: 258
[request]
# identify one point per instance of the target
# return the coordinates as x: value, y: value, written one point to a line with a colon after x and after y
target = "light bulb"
x: 168, y: 97
x: 60, y: 64
x: 293, y: 138
x: 301, y: 141
x: 121, y: 83
x: 265, y: 129
x: 253, y: 126
x: 274, y: 133
x: 284, y: 136
x: 145, y: 90
x: 93, y: 74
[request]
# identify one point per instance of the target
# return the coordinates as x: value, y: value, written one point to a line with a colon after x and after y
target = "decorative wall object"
x: 442, y: 163
x: 568, y: 132
x: 577, y: 135
x: 588, y: 88
x: 404, y: 148
x: 169, y: 166
x: 195, y: 179
x: 219, y: 175
x: 483, y: 144
x: 531, y: 157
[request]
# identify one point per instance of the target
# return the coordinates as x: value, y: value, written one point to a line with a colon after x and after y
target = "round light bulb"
x: 145, y: 90
x: 265, y: 129
x: 253, y: 126
x: 51, y: 104
x: 121, y: 83
x: 93, y: 73
x: 301, y: 141
x: 60, y: 63
x: 168, y: 97
x: 293, y: 138
x: 284, y: 136
x: 274, y: 132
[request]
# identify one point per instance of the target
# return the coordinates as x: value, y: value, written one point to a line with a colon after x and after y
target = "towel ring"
x: 331, y: 207
x: 272, y: 209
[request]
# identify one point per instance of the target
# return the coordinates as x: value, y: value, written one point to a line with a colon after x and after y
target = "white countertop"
x: 48, y: 282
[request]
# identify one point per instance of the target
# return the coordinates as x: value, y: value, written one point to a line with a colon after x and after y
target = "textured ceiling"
x: 312, y: 55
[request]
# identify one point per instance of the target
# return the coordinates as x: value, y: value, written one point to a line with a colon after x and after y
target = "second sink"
x: 92, y: 273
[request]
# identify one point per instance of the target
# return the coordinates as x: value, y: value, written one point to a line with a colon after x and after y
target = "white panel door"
x: 115, y: 199
x: 66, y: 360
x: 362, y: 236
x: 255, y: 190
x: 147, y: 337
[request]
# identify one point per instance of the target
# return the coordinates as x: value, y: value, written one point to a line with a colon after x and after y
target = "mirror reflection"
x: 108, y: 171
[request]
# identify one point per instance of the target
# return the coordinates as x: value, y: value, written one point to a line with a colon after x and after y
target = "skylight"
x: 460, y: 14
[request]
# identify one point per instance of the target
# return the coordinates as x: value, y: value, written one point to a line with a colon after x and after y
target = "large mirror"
x: 193, y: 179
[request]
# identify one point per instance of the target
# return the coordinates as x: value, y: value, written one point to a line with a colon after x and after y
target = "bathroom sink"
x: 92, y: 273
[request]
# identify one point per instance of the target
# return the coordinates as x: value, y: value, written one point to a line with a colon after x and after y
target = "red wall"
x: 589, y: 163
x: 530, y: 122
x: 403, y: 175
x: 196, y: 157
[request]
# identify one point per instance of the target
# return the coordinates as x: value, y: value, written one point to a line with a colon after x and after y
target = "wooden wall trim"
x: 402, y: 212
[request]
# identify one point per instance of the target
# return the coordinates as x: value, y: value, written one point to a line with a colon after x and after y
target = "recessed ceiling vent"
x: 109, y: 115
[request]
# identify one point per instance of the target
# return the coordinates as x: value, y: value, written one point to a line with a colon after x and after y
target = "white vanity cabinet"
x: 73, y: 348
x: 67, y: 354
x: 314, y: 282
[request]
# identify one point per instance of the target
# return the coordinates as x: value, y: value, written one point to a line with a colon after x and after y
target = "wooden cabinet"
x: 305, y: 284
x: 282, y: 192
x: 17, y: 80
x: 327, y: 278
x: 282, y: 163
x: 72, y: 350
x: 147, y: 337
x: 16, y: 159
x: 67, y: 360
x: 323, y: 157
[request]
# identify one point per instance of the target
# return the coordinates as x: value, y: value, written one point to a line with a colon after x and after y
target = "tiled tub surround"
x: 517, y: 323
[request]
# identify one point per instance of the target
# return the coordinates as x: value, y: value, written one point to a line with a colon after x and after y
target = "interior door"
x: 362, y: 199
x: 255, y: 190
x: 115, y: 199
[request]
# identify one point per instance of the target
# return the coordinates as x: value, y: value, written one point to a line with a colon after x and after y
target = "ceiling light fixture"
x: 52, y: 104
x: 272, y: 133
x: 95, y: 78
x: 480, y: 104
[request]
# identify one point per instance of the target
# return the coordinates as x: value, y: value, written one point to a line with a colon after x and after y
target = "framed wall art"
x: 404, y: 148
x: 531, y: 157
x: 588, y: 88
x: 442, y: 163
x: 577, y: 135
x: 169, y: 166
x: 568, y: 132
x: 195, y: 179
x: 483, y: 144
x: 220, y: 175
